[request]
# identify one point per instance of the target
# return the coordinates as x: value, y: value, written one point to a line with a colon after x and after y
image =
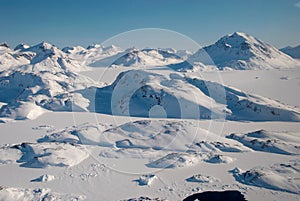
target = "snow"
x: 208, y: 100
x: 147, y: 57
x: 268, y: 141
x: 202, y: 179
x: 44, y: 178
x: 146, y: 179
x: 176, y: 160
x: 270, y: 178
x: 22, y: 110
x: 41, y: 155
x: 148, y: 127
x: 8, y: 155
x: 218, y: 158
x: 241, y: 51
x: 92, y: 54
x: 16, y: 194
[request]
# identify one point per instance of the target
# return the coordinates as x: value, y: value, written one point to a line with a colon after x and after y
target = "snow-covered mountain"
x: 27, y: 94
x: 92, y: 53
x: 41, y: 56
x: 145, y: 94
x: 39, y: 78
x: 4, y: 48
x: 294, y: 52
x: 147, y: 57
x: 241, y: 51
x: 21, y: 46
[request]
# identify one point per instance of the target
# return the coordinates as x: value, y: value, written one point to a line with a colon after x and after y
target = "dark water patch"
x: 231, y: 195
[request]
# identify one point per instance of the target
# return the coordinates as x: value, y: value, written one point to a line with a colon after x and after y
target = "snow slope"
x: 262, y: 140
x: 277, y: 177
x: 41, y: 155
x: 160, y: 95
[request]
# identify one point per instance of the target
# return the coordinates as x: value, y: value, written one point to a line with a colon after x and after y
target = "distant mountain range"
x: 294, y: 52
x: 237, y: 51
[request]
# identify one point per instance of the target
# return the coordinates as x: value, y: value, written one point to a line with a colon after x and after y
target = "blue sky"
x: 84, y: 22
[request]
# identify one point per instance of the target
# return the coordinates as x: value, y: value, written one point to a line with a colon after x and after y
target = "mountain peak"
x: 236, y: 40
x: 43, y: 48
x: 243, y: 51
x: 4, y: 45
x: 97, y: 46
x: 45, y: 45
x: 240, y: 34
x: 21, y: 46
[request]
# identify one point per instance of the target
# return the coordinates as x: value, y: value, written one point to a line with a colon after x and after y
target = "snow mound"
x: 44, y: 178
x: 142, y: 138
x: 153, y: 134
x: 88, y: 134
x: 145, y: 180
x: 180, y: 160
x: 268, y: 141
x: 218, y: 158
x: 22, y: 110
x: 147, y: 134
x: 41, y: 155
x: 202, y: 179
x: 23, y: 194
x: 293, y: 52
x: 277, y: 177
x: 176, y: 160
x: 8, y: 155
x: 63, y: 136
x: 223, y: 146
x: 241, y: 51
